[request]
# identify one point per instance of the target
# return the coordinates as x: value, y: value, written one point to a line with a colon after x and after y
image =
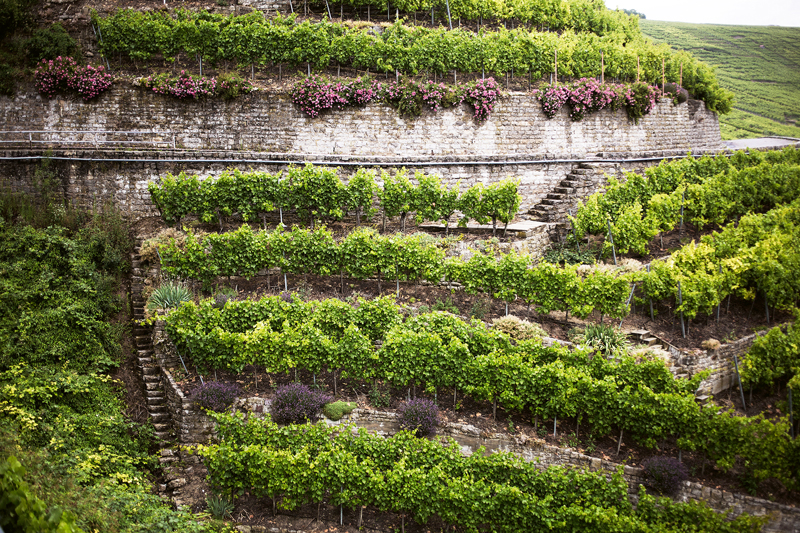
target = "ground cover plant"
x: 760, y: 64
x: 61, y: 412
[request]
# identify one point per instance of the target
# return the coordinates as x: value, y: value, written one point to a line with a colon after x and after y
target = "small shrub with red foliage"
x: 295, y: 403
x: 419, y: 416
x: 665, y: 475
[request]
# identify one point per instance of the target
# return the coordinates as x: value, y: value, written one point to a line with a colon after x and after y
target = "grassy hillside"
x: 760, y: 64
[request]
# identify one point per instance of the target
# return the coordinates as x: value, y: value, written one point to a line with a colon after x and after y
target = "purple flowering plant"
x: 665, y: 475
x: 295, y: 403
x: 419, y: 416
x: 215, y: 395
x: 63, y: 74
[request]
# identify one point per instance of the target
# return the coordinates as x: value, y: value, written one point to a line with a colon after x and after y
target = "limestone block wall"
x: 268, y: 122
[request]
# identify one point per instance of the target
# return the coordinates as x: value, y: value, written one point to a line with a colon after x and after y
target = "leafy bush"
x: 296, y: 403
x: 8, y: 85
x: 215, y: 395
x: 665, y: 475
x: 230, y: 86
x: 149, y: 249
x: 14, y: 15
x: 50, y: 43
x: 519, y: 329
x: 378, y: 398
x: 420, y: 416
x: 168, y: 296
x: 21, y: 510
x: 336, y: 410
x: 568, y: 255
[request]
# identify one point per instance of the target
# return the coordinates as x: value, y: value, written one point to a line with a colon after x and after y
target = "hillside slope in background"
x: 760, y: 64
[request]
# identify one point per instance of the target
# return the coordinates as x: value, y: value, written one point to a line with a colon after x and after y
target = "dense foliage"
x: 318, y: 193
x: 60, y: 412
x: 422, y: 479
x: 215, y: 395
x: 438, y: 350
x: 250, y: 39
x: 195, y: 87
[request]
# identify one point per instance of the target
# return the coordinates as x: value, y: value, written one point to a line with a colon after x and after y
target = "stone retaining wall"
x: 271, y: 122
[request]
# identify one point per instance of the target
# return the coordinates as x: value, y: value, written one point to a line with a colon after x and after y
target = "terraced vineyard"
x: 761, y: 65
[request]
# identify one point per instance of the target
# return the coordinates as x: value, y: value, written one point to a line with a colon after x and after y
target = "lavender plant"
x: 295, y: 403
x: 664, y: 475
x: 419, y: 416
x: 215, y: 395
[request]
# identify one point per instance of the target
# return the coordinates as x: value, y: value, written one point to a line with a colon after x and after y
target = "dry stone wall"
x: 272, y: 123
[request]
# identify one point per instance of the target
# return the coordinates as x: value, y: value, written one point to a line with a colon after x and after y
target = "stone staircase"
x: 659, y: 348
x: 146, y: 364
x: 578, y: 184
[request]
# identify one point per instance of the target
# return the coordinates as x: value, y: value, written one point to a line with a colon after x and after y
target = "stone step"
x: 157, y: 410
x: 167, y: 460
x: 588, y: 166
x: 581, y: 171
x: 564, y: 190
x: 163, y: 435
x: 145, y: 360
x: 149, y: 371
x: 650, y: 341
x: 161, y: 417
x: 155, y: 400
x: 151, y: 378
x: 551, y: 201
x: 153, y: 386
x: 144, y: 353
x: 161, y: 427
x: 555, y: 196
x: 702, y: 398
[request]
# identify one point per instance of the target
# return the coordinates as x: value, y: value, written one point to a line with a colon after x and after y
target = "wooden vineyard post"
x: 680, y: 303
x: 556, y: 67
x: 611, y: 238
x: 637, y: 69
x: 739, y: 379
x: 602, y: 68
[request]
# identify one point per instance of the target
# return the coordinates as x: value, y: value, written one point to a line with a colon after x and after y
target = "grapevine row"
x: 708, y: 190
x: 252, y: 39
x: 423, y: 478
x: 439, y: 350
x: 365, y: 254
x: 317, y: 193
x: 759, y: 255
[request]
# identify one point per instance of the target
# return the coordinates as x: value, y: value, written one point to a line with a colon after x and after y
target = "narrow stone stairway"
x: 577, y: 184
x: 147, y: 366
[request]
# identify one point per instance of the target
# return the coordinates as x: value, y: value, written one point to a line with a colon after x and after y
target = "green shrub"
x: 14, y: 15
x: 8, y: 86
x: 50, y: 43
x: 606, y: 339
x: 336, y: 410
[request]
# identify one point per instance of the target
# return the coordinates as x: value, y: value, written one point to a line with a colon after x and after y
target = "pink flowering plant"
x: 63, y: 74
x: 183, y: 86
x: 481, y: 95
x: 587, y: 95
x: 230, y: 86
x: 316, y: 94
